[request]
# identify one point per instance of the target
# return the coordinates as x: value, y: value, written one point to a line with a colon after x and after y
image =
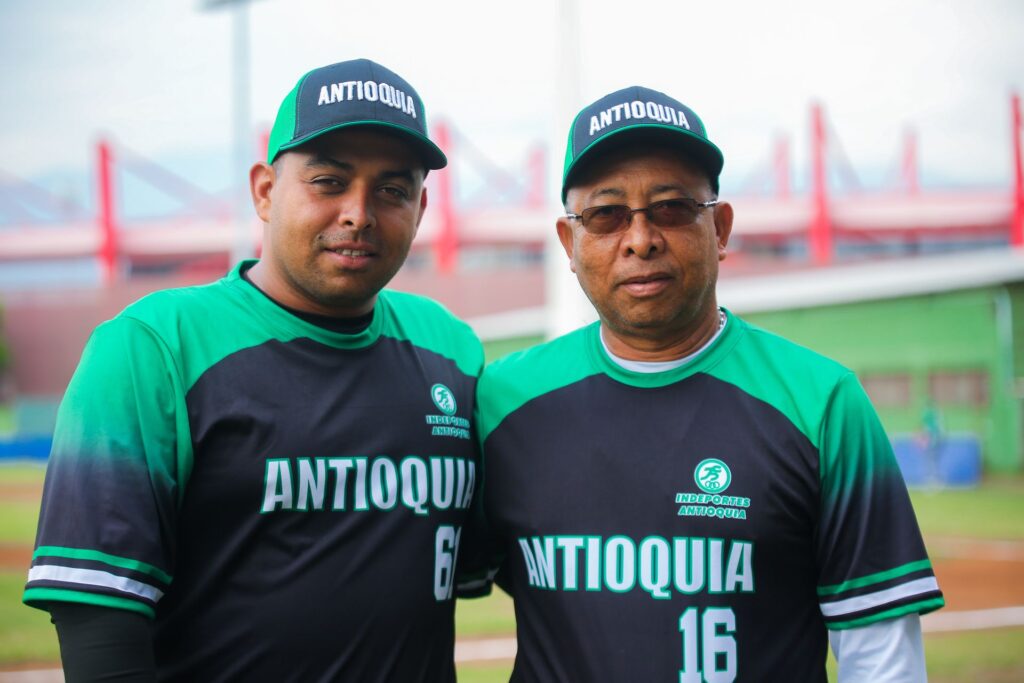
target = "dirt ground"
x: 14, y: 556
x: 978, y: 574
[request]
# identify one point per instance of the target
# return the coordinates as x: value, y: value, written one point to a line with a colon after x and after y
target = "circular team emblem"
x: 712, y: 475
x: 444, y: 399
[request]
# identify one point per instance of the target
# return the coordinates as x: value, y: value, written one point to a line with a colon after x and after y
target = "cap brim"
x: 432, y: 156
x: 701, y: 151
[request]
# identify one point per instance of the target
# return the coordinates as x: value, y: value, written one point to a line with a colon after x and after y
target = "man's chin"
x: 647, y: 318
x: 343, y: 301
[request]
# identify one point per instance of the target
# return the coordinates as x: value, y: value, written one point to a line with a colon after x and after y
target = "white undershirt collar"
x: 666, y: 365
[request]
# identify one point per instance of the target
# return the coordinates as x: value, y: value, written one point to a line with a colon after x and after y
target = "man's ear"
x: 262, y: 177
x: 723, y: 227
x: 423, y: 208
x: 565, y: 236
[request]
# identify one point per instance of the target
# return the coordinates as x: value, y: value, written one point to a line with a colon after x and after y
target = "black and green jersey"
x: 707, y: 523
x: 285, y: 501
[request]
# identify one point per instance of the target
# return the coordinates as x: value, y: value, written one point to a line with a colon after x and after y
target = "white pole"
x: 242, y: 246
x: 567, y: 307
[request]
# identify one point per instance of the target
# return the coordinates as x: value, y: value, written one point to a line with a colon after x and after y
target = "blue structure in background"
x: 954, y: 461
x: 26, y: 448
x: 34, y: 421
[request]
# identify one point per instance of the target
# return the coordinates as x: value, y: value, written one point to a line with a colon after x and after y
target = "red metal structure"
x: 446, y: 244
x: 515, y: 209
x: 108, y: 249
x: 820, y: 230
x: 1017, y: 223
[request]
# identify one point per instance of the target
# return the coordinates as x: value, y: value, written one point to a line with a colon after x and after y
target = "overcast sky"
x: 156, y: 75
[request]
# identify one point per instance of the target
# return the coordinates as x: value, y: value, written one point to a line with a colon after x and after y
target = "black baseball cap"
x: 358, y: 92
x: 637, y: 113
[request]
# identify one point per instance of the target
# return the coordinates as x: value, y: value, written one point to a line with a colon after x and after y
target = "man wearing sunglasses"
x: 676, y: 495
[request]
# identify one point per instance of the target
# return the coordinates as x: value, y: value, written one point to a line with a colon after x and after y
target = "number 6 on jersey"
x: 446, y: 553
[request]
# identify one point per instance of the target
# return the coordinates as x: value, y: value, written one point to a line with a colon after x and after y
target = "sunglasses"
x: 668, y: 213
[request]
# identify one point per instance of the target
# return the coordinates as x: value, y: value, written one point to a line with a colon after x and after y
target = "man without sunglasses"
x: 265, y: 478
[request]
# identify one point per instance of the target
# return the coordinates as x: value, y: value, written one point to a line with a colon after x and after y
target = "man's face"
x: 656, y: 283
x: 340, y: 214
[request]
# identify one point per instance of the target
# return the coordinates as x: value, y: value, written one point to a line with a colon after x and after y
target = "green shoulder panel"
x: 823, y: 399
x: 124, y: 410
x: 202, y: 325
x: 793, y: 379
x: 854, y: 447
x: 429, y: 325
x: 509, y: 383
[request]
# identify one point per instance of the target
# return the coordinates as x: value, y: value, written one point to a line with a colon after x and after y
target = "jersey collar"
x: 289, y: 326
x: 707, y: 358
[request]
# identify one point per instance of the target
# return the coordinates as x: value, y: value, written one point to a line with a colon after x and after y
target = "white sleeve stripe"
x: 863, y: 602
x: 93, y: 577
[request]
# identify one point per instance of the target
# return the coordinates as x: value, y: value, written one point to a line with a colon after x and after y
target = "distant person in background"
x: 676, y: 495
x: 931, y: 442
x: 265, y: 478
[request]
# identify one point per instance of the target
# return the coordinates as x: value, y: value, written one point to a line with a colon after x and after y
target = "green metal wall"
x: 976, y: 331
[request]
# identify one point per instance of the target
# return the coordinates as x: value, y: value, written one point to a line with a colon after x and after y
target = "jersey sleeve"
x: 478, y: 558
x: 871, y: 557
x: 889, y: 651
x: 121, y: 452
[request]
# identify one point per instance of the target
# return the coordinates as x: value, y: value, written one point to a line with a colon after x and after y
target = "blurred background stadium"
x: 873, y: 155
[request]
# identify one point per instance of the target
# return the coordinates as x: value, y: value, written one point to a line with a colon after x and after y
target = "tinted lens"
x: 668, y: 213
x: 604, y: 219
x: 672, y: 212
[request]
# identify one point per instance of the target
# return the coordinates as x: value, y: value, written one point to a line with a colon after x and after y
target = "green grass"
x: 993, y: 656
x: 487, y: 673
x: 494, y: 350
x: 26, y: 634
x: 22, y: 473
x: 18, y: 521
x: 490, y: 616
x: 994, y: 511
x: 6, y: 420
x: 18, y: 514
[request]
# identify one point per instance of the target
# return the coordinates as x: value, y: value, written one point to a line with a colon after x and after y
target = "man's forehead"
x: 361, y: 145
x: 609, y: 174
x: 613, y: 189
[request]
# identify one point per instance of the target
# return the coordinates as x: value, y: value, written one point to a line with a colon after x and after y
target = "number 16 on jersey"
x: 709, y: 645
